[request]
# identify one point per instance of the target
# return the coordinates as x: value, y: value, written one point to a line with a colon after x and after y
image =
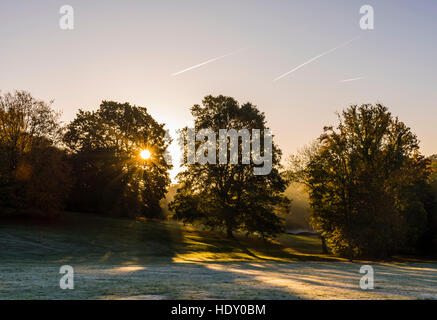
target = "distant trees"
x: 428, y: 242
x: 34, y: 177
x: 433, y: 160
x: 229, y: 196
x: 368, y: 184
x: 111, y: 177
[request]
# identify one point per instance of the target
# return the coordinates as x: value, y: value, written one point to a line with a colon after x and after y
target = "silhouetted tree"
x: 427, y: 243
x: 366, y: 179
x: 230, y: 196
x: 433, y: 160
x: 34, y: 177
x: 111, y: 177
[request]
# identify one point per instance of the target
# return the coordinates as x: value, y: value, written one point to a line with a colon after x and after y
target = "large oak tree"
x: 111, y: 177
x: 230, y: 196
x: 368, y: 184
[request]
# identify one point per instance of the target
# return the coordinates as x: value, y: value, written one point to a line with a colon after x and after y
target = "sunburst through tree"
x: 118, y: 160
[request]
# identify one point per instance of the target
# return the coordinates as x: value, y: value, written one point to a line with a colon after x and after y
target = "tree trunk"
x: 351, y: 254
x: 324, y: 247
x: 229, y: 233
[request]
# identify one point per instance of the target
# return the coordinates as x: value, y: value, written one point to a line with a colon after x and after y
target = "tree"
x: 364, y: 178
x: 46, y: 179
x: 34, y: 176
x: 111, y: 177
x: 433, y: 160
x: 230, y: 196
x: 428, y: 193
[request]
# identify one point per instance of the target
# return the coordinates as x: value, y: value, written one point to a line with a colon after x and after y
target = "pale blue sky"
x: 127, y: 51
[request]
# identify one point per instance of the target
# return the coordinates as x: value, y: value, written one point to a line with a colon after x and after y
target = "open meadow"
x: 126, y: 259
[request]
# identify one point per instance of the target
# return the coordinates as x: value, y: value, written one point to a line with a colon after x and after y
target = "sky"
x: 298, y: 61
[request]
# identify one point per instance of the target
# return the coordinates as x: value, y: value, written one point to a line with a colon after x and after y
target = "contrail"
x: 352, y: 79
x: 207, y: 61
x: 313, y: 59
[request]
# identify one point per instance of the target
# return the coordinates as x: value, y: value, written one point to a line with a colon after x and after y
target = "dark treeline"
x: 370, y: 191
x: 90, y: 165
x: 35, y: 177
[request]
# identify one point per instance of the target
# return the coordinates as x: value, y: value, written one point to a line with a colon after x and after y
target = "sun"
x: 145, y: 154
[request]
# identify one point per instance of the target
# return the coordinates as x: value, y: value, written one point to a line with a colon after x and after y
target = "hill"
x: 114, y: 240
x: 125, y: 259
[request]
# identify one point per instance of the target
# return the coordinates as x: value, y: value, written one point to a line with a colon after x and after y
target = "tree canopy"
x: 34, y: 176
x: 368, y: 184
x: 111, y: 176
x: 229, y: 195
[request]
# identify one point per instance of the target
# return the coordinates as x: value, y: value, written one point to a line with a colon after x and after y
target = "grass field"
x: 125, y: 259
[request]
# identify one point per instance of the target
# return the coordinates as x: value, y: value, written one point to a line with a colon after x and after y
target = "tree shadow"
x: 117, y: 258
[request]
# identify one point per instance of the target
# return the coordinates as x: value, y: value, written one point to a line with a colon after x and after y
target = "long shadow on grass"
x: 88, y: 239
x: 123, y: 258
x: 116, y: 258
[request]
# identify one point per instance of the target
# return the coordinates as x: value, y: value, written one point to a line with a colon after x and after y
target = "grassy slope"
x: 94, y: 238
x: 116, y: 258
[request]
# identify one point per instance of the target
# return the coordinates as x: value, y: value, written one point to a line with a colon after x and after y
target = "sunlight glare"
x: 145, y: 154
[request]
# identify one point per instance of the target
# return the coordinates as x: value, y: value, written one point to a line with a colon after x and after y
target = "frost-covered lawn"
x: 123, y: 259
x: 241, y: 280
